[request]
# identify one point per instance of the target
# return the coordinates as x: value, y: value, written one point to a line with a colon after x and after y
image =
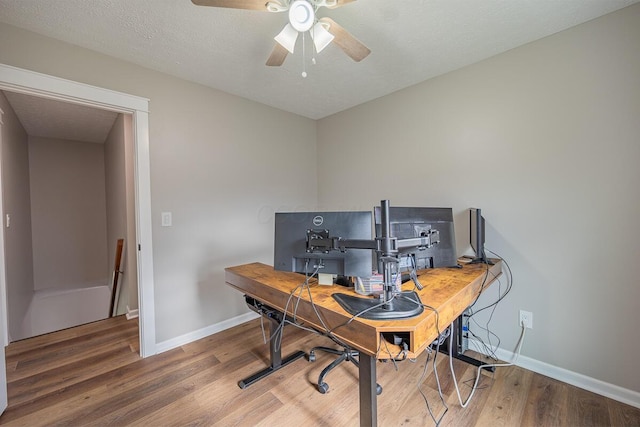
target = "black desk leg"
x: 455, y: 341
x: 275, y: 335
x: 368, y: 387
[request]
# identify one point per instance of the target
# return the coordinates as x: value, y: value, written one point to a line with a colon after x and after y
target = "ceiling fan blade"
x: 349, y: 44
x: 278, y: 55
x: 234, y: 4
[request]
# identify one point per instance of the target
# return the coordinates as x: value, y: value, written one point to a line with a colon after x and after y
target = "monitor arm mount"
x: 387, y: 248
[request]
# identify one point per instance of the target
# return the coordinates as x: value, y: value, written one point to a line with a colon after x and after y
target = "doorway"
x: 36, y: 84
x: 68, y: 186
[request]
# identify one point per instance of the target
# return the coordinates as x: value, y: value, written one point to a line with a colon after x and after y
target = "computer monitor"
x: 404, y: 233
x: 413, y: 222
x: 294, y: 229
x: 477, y: 236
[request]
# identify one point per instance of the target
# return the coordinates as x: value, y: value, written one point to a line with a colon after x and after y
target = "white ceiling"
x: 47, y: 118
x: 411, y: 41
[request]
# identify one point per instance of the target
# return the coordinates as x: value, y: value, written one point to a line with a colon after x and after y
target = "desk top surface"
x: 448, y: 290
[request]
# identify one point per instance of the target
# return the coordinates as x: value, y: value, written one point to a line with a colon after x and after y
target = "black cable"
x: 509, y: 285
x: 423, y: 305
x: 489, y: 349
x: 435, y: 372
x: 482, y: 285
x: 361, y: 312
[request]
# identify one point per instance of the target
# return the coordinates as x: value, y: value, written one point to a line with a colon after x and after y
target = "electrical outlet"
x: 166, y: 220
x: 526, y: 319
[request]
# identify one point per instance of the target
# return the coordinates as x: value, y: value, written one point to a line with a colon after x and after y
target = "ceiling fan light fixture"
x: 277, y: 5
x: 287, y: 37
x: 321, y: 37
x: 301, y: 15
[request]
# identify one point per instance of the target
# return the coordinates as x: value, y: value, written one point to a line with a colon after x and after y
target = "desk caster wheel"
x: 323, y: 388
x: 378, y: 389
x: 311, y: 357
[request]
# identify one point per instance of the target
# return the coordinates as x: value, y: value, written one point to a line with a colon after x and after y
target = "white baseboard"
x: 132, y: 314
x: 602, y: 388
x: 204, y: 332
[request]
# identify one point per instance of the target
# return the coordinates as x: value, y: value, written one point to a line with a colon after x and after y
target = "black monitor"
x: 414, y: 222
x: 342, y: 244
x: 476, y: 236
x: 294, y: 229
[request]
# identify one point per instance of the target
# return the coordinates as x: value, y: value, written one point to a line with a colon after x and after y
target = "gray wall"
x: 546, y: 140
x: 68, y: 213
x: 221, y: 164
x: 119, y: 152
x: 16, y: 203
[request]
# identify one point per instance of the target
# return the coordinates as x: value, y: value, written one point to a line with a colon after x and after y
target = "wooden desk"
x: 449, y: 290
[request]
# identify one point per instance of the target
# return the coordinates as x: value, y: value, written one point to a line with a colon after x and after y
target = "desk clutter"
x: 385, y: 285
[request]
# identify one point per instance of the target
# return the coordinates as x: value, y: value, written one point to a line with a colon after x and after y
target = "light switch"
x: 166, y: 219
x: 8, y: 220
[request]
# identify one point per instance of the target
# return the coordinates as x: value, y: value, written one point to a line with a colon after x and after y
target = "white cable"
x: 481, y: 367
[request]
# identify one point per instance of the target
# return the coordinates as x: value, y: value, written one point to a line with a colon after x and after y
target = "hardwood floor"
x: 92, y: 376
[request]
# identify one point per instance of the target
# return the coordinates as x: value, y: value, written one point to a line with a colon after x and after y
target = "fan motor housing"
x: 301, y: 15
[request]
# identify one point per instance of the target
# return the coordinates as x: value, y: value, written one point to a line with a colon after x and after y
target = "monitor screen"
x: 293, y: 229
x: 412, y: 222
x: 477, y: 235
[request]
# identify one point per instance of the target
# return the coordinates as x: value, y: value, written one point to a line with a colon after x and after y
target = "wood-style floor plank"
x: 623, y: 415
x: 86, y: 332
x: 588, y: 409
x: 92, y: 376
x: 506, y: 406
x: 547, y: 403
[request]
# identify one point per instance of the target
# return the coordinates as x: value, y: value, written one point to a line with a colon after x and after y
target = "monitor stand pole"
x: 275, y: 335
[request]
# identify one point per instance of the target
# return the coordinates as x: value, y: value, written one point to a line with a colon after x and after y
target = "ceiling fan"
x: 302, y: 18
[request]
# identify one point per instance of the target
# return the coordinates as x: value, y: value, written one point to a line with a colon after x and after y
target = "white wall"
x: 221, y: 164
x: 55, y: 310
x: 545, y: 139
x: 130, y: 255
x: 119, y: 184
x: 68, y: 213
x: 14, y: 155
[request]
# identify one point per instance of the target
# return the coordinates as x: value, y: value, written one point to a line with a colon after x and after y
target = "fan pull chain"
x: 304, y: 70
x: 313, y: 46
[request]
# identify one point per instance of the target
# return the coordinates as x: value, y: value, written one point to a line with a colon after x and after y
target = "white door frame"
x: 32, y: 83
x: 4, y: 401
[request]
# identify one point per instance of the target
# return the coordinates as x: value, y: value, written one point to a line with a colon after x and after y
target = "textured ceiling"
x: 411, y: 41
x: 47, y: 118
